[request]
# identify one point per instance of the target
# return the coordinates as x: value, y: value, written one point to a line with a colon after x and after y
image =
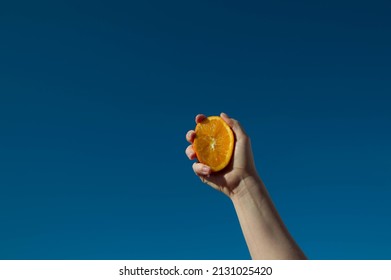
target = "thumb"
x: 234, y: 125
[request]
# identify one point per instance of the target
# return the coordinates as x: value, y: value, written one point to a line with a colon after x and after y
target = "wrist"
x: 248, y: 186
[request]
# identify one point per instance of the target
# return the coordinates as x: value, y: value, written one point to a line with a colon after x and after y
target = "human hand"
x: 230, y: 179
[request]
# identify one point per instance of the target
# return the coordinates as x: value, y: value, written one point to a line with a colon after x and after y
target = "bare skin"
x: 264, y: 231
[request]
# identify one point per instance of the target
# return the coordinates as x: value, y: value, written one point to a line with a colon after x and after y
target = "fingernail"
x: 205, y: 170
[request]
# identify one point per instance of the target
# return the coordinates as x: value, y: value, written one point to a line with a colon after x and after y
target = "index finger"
x: 199, y: 118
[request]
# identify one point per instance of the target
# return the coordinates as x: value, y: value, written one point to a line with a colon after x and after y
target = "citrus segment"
x: 214, y: 143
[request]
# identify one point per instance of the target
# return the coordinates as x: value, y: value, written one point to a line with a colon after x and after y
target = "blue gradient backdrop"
x: 96, y: 98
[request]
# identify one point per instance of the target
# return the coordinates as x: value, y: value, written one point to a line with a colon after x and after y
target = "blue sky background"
x: 96, y: 98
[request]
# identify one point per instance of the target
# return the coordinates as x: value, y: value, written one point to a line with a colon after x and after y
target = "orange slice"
x: 214, y: 143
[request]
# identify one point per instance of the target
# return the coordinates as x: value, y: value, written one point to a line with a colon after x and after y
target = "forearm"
x: 265, y: 233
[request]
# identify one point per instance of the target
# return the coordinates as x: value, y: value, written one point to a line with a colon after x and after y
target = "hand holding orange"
x: 220, y: 143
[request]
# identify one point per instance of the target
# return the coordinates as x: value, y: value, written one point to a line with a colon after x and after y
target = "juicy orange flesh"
x: 214, y: 143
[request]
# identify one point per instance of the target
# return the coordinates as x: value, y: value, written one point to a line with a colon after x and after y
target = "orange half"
x: 214, y: 143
